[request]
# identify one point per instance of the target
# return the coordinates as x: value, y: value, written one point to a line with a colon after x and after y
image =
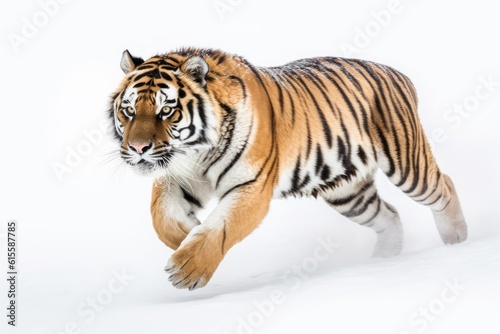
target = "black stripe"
x: 393, y: 110
x: 145, y: 67
x: 374, y: 215
x: 304, y: 182
x: 309, y: 139
x: 387, y: 152
x: 190, y: 198
x: 364, y: 116
x: 355, y: 213
x: 436, y: 187
x: 324, y: 123
x: 405, y: 98
x: 297, y: 181
x: 409, y: 115
x: 179, y: 117
x: 390, y: 208
x: 235, y: 158
x: 274, y: 149
x: 435, y: 201
x: 290, y: 98
x: 169, y: 65
x: 350, y: 169
x: 242, y: 84
x: 201, y: 110
x: 298, y: 95
x: 296, y: 176
x: 445, y: 206
x: 362, y: 155
x: 345, y: 200
x: 416, y: 176
x: 341, y: 150
x: 238, y: 186
x: 273, y: 165
x: 223, y: 237
x: 381, y: 94
x: 325, y: 173
x: 174, y: 58
x: 165, y: 76
x: 342, y: 93
x: 169, y: 132
x: 189, y: 107
x: 320, y: 85
x: 140, y: 84
x: 359, y: 89
x: 341, y: 65
x: 221, y: 59
x: 352, y: 209
x: 379, y: 91
x: 409, y: 86
x: 426, y: 175
x: 226, y: 108
x: 407, y: 160
x: 354, y: 111
x: 142, y: 75
x: 201, y: 139
x: 319, y: 159
x: 278, y: 87
x: 228, y: 121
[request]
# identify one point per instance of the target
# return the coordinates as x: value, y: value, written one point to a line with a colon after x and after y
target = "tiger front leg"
x: 199, y: 255
x: 173, y: 216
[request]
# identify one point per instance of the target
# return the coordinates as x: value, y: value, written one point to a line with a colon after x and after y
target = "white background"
x: 76, y: 231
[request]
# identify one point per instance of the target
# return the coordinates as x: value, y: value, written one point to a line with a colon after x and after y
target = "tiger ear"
x: 129, y: 62
x: 196, y: 68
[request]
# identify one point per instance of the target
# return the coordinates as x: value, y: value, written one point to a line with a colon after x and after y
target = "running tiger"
x: 209, y: 124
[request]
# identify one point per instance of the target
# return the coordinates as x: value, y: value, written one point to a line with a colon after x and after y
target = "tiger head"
x: 161, y: 110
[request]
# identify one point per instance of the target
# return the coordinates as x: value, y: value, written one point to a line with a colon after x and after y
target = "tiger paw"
x: 193, y: 264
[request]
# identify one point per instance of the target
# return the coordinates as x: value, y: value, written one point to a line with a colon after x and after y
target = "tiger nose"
x: 140, y: 147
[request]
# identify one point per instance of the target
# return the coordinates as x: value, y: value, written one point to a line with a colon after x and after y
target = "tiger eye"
x: 129, y: 111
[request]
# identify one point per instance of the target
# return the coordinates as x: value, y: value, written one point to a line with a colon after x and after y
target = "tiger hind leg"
x: 447, y: 211
x: 361, y: 204
x: 423, y: 182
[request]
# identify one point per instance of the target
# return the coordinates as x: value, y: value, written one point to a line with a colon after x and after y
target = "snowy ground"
x: 88, y: 258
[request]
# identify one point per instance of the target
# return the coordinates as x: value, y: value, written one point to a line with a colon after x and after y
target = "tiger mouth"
x: 150, y: 162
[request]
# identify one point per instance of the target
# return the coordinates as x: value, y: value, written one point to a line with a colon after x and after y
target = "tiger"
x: 207, y: 124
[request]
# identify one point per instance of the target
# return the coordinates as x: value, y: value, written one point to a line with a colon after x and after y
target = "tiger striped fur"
x: 210, y: 124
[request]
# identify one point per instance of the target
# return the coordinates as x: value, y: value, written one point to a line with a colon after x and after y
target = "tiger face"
x: 162, y: 110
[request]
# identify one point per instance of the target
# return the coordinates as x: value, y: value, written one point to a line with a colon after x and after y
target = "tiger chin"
x: 209, y: 124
